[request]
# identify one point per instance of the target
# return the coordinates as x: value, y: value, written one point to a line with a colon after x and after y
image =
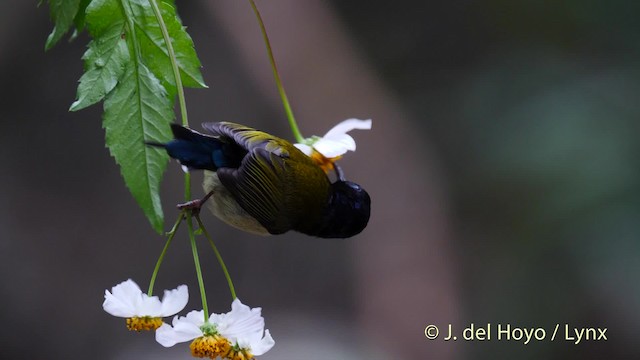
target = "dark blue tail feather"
x: 202, y: 152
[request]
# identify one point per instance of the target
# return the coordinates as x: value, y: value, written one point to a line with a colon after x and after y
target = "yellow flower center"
x: 239, y: 354
x: 210, y: 346
x: 325, y: 164
x: 143, y: 323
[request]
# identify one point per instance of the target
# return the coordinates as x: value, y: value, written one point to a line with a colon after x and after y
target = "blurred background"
x: 502, y: 164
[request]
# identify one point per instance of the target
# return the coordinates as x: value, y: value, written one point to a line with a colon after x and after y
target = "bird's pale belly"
x: 225, y: 208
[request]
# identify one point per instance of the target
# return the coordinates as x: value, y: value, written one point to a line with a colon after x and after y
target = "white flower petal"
x: 168, y: 336
x: 262, y: 345
x: 174, y: 300
x: 306, y: 149
x: 344, y: 140
x: 127, y: 300
x: 258, y: 343
x: 244, y: 326
x: 335, y: 142
x: 185, y: 328
x: 331, y: 148
x: 165, y: 335
x: 116, y: 306
x: 149, y: 306
x: 241, y: 321
x: 195, y: 317
x: 347, y: 125
x: 127, y: 288
x: 123, y: 300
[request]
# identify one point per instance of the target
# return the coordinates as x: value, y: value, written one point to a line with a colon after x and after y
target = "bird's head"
x: 348, y: 211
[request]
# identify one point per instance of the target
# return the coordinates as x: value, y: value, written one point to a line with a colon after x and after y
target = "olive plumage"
x: 265, y: 185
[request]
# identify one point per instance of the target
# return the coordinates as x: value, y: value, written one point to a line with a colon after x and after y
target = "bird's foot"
x: 194, y: 206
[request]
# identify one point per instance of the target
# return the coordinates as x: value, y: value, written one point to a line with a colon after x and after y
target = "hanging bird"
x: 264, y: 185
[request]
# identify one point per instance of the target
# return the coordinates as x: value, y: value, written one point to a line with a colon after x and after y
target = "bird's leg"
x: 339, y: 172
x: 195, y: 205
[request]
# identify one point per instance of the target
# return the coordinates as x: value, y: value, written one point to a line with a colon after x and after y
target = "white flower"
x: 207, y: 342
x: 244, y: 327
x: 143, y: 312
x: 185, y: 328
x: 239, y: 331
x: 336, y: 142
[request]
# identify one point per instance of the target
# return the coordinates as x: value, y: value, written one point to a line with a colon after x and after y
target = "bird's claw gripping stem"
x: 194, y: 206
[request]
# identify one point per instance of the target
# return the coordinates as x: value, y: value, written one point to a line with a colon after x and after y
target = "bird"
x: 262, y: 184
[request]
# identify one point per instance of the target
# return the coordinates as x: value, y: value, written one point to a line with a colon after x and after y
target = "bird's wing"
x: 258, y: 183
x: 247, y: 137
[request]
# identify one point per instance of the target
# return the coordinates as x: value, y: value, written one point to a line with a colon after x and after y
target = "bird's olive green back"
x: 276, y: 183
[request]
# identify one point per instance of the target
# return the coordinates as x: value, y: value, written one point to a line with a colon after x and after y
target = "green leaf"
x: 63, y: 12
x: 137, y: 107
x: 154, y: 49
x: 126, y: 65
x: 104, y: 59
x: 105, y: 62
x: 107, y: 56
x: 138, y: 110
x: 79, y: 20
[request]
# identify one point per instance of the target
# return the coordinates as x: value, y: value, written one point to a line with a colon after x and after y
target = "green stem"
x: 172, y: 233
x: 196, y: 261
x: 276, y: 75
x: 218, y: 256
x: 174, y: 63
x: 187, y: 186
x: 178, y: 79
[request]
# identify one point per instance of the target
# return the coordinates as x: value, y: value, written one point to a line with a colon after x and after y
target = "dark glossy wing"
x: 259, y: 183
x: 257, y: 186
x: 250, y: 138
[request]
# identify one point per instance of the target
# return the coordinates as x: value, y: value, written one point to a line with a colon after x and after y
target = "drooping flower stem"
x: 179, y: 87
x: 171, y: 234
x: 276, y: 75
x: 196, y: 261
x: 185, y: 122
x: 187, y: 186
x: 174, y: 63
x: 219, y: 257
